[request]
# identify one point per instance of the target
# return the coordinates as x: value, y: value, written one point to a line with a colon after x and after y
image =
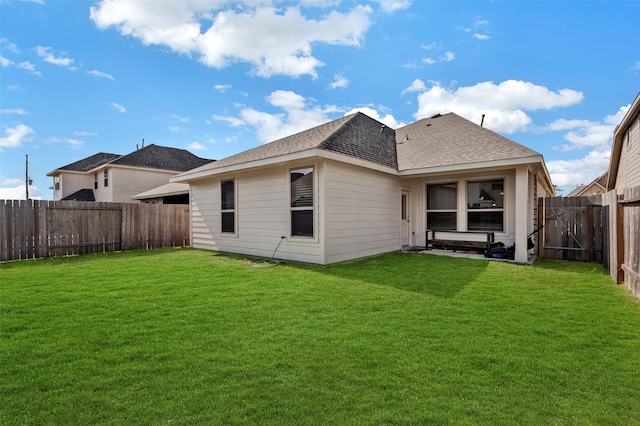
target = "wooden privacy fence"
x: 573, y: 228
x: 35, y: 228
x: 623, y: 214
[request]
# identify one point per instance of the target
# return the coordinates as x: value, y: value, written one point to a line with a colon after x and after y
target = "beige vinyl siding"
x: 262, y: 217
x: 72, y: 182
x: 362, y: 212
x: 631, y: 158
x: 124, y: 183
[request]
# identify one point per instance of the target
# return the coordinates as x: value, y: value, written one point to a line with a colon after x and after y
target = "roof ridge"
x: 341, y: 126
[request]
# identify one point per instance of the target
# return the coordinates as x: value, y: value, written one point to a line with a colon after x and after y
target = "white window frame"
x: 312, y: 208
x: 488, y: 210
x: 456, y: 210
x: 105, y: 174
x: 234, y: 210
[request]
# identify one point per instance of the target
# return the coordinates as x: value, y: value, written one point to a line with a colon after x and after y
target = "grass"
x: 182, y: 336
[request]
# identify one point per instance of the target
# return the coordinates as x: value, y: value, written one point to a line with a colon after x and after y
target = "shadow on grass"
x: 439, y: 276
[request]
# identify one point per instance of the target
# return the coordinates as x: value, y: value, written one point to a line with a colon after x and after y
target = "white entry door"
x: 405, y: 228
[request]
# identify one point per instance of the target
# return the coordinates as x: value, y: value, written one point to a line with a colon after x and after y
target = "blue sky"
x: 220, y: 77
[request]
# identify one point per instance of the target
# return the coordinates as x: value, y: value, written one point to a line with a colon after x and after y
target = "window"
x: 442, y: 206
x: 228, y: 205
x: 302, y: 202
x: 485, y: 205
x: 95, y: 181
x: 106, y: 178
x: 56, y: 183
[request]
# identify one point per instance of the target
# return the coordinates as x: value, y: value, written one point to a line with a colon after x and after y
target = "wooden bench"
x: 439, y: 240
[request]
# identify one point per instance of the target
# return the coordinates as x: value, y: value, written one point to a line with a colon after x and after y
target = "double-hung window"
x: 106, y: 178
x: 228, y: 205
x: 56, y: 183
x: 442, y: 206
x: 95, y: 181
x: 485, y: 205
x: 302, y: 202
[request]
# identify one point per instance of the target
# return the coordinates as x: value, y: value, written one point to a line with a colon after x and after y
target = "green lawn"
x: 182, y: 336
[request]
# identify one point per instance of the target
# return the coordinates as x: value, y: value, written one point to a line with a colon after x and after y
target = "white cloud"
x: 7, y: 45
x: 16, y: 136
x: 14, y: 87
x: 481, y: 36
x: 196, y: 146
x: 222, y: 87
x: 100, y: 74
x: 390, y: 6
x: 46, y: 53
x: 432, y: 46
x: 569, y: 173
x: 339, y: 82
x: 13, y: 111
x: 181, y: 119
x: 429, y: 61
x: 14, y: 189
x: 416, y: 86
x: 176, y: 129
x: 297, y: 115
x: 273, y: 41
x: 118, y: 107
x: 82, y: 133
x: 585, y: 133
x: 233, y: 121
x: 75, y: 142
x: 447, y: 57
x: 504, y: 104
x: 5, y: 62
x: 636, y: 67
x: 388, y: 119
x: 29, y: 67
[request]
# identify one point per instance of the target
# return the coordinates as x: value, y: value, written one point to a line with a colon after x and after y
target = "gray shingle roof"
x: 442, y: 140
x: 355, y: 135
x: 89, y: 163
x: 163, y: 158
x: 81, y: 195
x: 448, y: 139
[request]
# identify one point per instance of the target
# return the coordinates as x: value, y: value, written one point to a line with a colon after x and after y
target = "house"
x: 354, y: 187
x: 622, y: 201
x: 169, y: 193
x: 597, y: 187
x: 117, y: 178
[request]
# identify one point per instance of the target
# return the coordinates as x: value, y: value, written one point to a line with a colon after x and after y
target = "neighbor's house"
x: 622, y: 202
x: 354, y: 187
x: 118, y: 178
x: 597, y: 187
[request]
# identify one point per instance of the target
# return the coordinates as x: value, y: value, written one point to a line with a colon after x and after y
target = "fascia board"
x: 535, y: 159
x: 309, y: 153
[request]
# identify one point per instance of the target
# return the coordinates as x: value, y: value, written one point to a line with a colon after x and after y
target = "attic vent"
x: 436, y: 115
x: 406, y: 137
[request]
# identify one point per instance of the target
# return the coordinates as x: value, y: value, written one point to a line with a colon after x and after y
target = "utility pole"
x: 26, y: 175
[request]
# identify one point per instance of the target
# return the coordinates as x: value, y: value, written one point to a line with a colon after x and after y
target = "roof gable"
x: 364, y: 138
x: 163, y: 158
x: 448, y: 139
x: 618, y: 138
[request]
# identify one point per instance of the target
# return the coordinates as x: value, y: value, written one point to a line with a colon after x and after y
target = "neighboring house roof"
x: 161, y: 157
x: 576, y: 191
x: 164, y: 191
x: 598, y: 186
x: 88, y: 163
x: 81, y: 195
x: 149, y: 157
x: 440, y: 141
x: 448, y: 139
x: 618, y: 140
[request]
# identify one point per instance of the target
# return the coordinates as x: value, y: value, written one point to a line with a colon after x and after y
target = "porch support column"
x: 522, y: 215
